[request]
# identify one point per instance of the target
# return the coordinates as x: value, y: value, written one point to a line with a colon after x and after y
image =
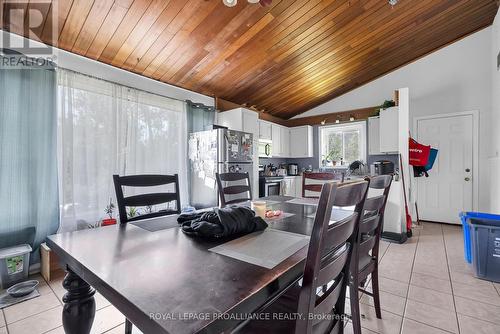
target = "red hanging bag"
x: 419, y: 154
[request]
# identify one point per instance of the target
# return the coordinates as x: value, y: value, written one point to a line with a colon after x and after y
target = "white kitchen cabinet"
x: 265, y: 131
x: 240, y: 119
x: 276, y: 139
x: 374, y: 136
x: 251, y: 122
x: 298, y: 186
x: 288, y: 186
x: 301, y: 142
x: 285, y: 142
x: 292, y: 186
x: 389, y: 130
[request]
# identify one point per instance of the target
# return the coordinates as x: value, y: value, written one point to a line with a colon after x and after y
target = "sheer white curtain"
x: 105, y: 129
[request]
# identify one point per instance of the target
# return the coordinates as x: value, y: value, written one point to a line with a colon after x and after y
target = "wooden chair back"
x: 316, y: 187
x: 148, y: 199
x: 371, y: 224
x: 328, y: 258
x: 224, y: 178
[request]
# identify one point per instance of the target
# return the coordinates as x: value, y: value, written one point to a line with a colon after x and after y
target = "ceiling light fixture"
x: 323, y: 122
x: 337, y: 121
x: 232, y: 3
x: 351, y: 118
x: 393, y: 2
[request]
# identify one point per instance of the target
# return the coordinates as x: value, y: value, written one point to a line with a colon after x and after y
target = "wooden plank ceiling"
x: 283, y: 59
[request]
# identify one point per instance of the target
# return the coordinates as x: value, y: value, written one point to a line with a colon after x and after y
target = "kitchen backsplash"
x: 314, y: 161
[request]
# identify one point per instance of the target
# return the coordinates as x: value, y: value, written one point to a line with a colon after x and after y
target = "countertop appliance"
x: 293, y: 169
x: 383, y: 167
x: 282, y: 170
x: 219, y: 150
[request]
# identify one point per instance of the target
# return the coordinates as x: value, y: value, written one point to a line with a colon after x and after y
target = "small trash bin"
x: 464, y: 217
x: 485, y: 246
x: 14, y: 264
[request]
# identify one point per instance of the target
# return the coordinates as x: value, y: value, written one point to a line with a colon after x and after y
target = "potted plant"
x: 109, y: 211
x: 94, y: 225
x: 385, y: 105
x: 132, y: 212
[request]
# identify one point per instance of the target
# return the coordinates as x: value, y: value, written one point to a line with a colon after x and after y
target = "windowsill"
x: 334, y: 167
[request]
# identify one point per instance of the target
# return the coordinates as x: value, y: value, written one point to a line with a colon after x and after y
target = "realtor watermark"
x: 261, y: 316
x: 37, y: 22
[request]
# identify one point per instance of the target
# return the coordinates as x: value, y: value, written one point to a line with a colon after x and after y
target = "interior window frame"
x: 343, y: 128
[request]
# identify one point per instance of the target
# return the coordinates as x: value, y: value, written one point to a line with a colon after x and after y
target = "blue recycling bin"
x: 482, y: 243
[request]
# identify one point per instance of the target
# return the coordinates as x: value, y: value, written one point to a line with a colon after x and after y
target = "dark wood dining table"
x: 167, y: 282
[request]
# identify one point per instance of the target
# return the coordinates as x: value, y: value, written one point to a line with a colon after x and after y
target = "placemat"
x: 304, y: 201
x: 266, y: 248
x: 156, y: 224
x: 7, y: 300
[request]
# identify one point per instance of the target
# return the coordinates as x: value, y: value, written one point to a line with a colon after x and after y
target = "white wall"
x: 494, y: 158
x: 453, y: 79
x: 97, y: 69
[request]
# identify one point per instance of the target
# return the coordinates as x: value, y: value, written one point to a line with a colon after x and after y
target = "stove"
x: 270, y: 185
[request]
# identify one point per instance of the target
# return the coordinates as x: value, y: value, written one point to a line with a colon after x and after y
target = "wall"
x: 494, y: 157
x: 100, y: 70
x: 452, y: 79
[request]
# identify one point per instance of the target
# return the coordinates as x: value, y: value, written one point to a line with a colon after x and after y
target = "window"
x: 104, y: 129
x: 342, y: 144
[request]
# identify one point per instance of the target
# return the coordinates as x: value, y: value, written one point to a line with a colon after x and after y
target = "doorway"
x: 451, y: 185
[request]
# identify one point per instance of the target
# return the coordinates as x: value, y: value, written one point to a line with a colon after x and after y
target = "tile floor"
x: 427, y: 288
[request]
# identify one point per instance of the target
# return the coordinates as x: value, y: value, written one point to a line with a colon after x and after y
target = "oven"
x: 270, y: 186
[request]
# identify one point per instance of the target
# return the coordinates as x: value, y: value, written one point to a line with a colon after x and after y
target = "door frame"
x: 475, y: 148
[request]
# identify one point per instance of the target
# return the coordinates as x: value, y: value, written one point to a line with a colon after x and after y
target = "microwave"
x: 265, y: 149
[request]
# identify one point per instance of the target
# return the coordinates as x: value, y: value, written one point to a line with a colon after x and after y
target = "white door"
x: 448, y: 189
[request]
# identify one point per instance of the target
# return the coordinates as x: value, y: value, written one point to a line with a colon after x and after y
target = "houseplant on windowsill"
x: 109, y: 211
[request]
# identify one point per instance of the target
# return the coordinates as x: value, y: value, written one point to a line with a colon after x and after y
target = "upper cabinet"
x: 240, y: 119
x: 250, y: 122
x: 285, y: 141
x: 374, y: 136
x: 276, y: 138
x: 389, y: 130
x: 301, y: 142
x: 265, y: 131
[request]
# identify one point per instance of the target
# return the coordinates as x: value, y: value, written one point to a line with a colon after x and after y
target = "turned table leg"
x: 79, y: 305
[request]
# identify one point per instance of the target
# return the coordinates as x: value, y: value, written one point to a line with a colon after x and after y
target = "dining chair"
x: 225, y: 188
x: 326, y: 273
x: 318, y: 177
x: 366, y: 254
x: 147, y: 199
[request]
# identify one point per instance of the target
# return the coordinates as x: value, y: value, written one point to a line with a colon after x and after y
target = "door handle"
x: 467, y: 170
x: 467, y: 179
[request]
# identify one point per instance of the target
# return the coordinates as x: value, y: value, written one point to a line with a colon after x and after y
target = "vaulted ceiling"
x: 283, y: 59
